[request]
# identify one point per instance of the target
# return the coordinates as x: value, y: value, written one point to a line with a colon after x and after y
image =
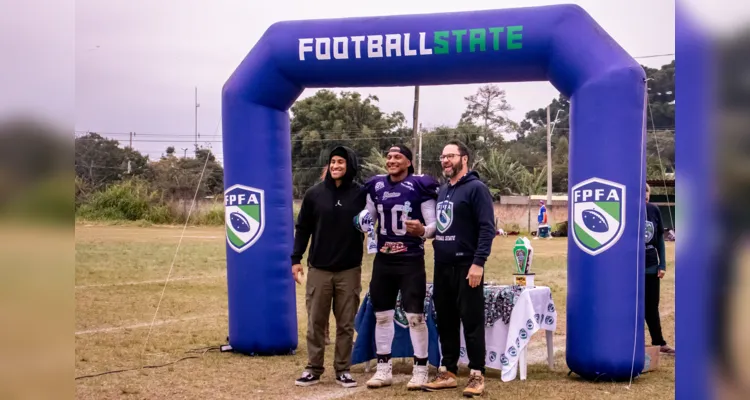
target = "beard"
x: 455, y: 168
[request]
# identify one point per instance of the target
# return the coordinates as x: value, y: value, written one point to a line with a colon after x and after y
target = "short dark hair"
x: 463, y: 150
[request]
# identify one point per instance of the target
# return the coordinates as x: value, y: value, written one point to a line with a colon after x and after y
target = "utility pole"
x: 184, y: 152
x: 196, y: 118
x: 415, y: 132
x: 419, y: 167
x: 549, y: 157
x: 131, y: 147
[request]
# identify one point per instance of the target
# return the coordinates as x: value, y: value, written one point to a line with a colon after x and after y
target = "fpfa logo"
x: 598, y: 214
x: 244, y: 215
x: 444, y: 215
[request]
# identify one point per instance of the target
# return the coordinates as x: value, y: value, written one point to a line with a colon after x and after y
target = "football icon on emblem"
x: 239, y: 222
x: 444, y: 218
x: 595, y: 221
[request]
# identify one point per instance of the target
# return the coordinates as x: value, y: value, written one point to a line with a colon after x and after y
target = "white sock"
x: 384, y: 331
x: 418, y: 333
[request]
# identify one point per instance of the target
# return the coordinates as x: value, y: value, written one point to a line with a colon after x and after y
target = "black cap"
x: 406, y: 152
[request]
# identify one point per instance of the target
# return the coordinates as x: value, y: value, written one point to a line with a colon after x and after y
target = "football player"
x: 399, y: 265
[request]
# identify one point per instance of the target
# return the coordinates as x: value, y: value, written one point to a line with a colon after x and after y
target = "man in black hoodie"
x: 334, y: 263
x: 463, y: 241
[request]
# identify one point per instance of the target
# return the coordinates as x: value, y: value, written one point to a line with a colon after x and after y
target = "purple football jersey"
x: 394, y: 202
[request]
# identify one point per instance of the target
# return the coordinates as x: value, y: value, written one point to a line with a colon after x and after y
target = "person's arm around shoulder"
x: 429, y: 188
x: 365, y: 203
x: 369, y: 191
x: 484, y: 213
x: 303, y: 229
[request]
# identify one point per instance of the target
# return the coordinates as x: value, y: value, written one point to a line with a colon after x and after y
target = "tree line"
x: 510, y: 156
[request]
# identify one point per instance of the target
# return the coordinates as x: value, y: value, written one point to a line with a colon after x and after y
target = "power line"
x: 383, y: 135
x: 356, y: 139
x: 655, y: 56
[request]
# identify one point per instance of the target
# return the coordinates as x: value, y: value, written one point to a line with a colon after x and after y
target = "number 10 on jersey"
x: 399, y: 214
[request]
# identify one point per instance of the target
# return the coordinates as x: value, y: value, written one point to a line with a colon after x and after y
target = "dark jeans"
x: 343, y: 289
x: 456, y: 302
x: 652, y: 309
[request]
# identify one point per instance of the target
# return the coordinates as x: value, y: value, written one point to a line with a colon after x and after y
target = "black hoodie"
x: 465, y: 222
x: 327, y: 213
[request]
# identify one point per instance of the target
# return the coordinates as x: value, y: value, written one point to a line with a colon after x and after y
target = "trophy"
x: 523, y: 255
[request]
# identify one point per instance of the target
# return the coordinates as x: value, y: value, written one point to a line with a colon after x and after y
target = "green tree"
x: 374, y: 164
x: 325, y: 120
x: 661, y: 96
x: 176, y: 178
x: 560, y: 166
x: 530, y: 146
x: 488, y: 109
x: 533, y: 182
x: 100, y: 161
x: 536, y: 120
x: 660, y: 154
x: 501, y: 172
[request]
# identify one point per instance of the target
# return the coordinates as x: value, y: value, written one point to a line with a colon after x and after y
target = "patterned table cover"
x: 512, y: 315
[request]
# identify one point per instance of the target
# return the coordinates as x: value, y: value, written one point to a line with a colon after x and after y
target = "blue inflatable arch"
x: 561, y: 44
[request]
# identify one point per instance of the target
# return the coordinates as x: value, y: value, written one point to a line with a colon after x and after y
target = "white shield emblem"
x: 649, y: 231
x: 598, y: 214
x: 444, y: 215
x: 244, y: 216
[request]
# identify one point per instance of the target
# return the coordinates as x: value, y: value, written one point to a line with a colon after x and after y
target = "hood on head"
x: 352, y: 163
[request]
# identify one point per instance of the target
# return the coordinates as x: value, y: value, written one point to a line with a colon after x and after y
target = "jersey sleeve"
x: 369, y: 186
x: 428, y: 187
x: 369, y: 190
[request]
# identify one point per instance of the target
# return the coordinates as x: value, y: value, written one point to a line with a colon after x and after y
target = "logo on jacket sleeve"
x: 244, y: 216
x: 598, y: 214
x: 444, y: 215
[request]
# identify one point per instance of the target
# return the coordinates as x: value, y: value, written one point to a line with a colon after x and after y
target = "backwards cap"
x: 406, y: 152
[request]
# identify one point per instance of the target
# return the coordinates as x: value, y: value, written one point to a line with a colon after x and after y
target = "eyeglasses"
x: 448, y: 156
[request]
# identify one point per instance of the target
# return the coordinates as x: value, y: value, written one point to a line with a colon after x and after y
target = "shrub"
x: 136, y: 200
x: 561, y: 229
x: 130, y: 200
x: 213, y: 215
x: 511, y: 227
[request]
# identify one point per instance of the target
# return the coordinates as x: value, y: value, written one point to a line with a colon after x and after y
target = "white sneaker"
x: 383, y: 376
x: 419, y: 376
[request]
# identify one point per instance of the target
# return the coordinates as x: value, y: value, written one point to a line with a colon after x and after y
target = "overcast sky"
x: 138, y: 62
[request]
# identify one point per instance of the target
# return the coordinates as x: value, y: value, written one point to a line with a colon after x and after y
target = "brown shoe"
x: 443, y: 380
x: 475, y: 386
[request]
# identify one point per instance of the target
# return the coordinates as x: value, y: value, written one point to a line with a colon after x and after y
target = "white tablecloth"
x: 534, y: 310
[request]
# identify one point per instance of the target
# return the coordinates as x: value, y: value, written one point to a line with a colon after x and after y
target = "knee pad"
x: 384, y: 317
x: 416, y: 320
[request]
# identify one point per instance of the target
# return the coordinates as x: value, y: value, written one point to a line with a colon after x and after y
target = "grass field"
x: 120, y: 272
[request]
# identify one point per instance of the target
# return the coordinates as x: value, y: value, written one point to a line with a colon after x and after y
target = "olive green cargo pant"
x: 343, y: 290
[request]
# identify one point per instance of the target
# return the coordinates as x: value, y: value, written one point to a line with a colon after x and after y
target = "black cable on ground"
x: 202, y: 350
